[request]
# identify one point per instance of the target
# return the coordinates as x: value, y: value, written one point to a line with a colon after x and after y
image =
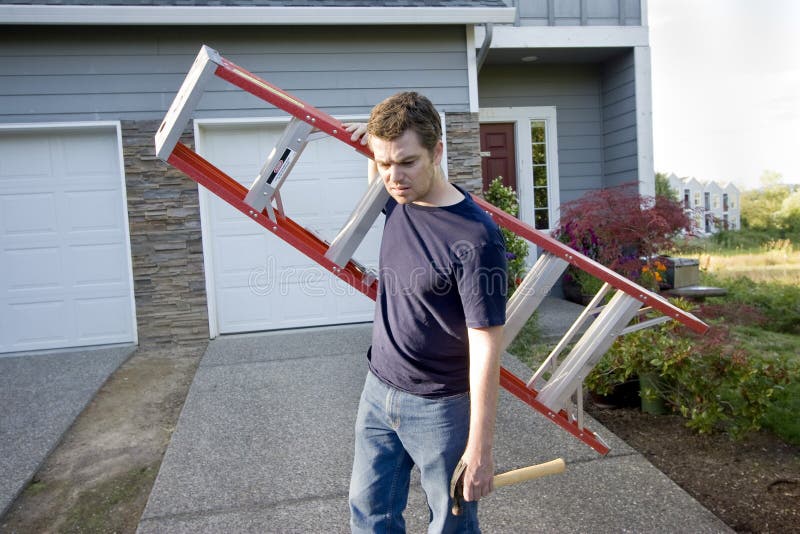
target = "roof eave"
x: 249, y: 15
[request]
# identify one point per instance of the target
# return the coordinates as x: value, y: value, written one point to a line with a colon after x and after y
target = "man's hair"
x: 406, y: 111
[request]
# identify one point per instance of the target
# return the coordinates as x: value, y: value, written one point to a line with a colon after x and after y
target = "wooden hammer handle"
x: 552, y: 467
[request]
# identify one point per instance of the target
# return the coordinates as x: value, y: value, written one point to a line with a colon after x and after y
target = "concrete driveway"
x: 264, y: 444
x: 41, y: 394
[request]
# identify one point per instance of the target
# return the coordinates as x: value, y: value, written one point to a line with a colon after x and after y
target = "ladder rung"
x: 355, y: 229
x: 592, y: 308
x: 589, y: 349
x: 182, y: 107
x: 278, y: 165
x: 646, y: 324
x: 530, y: 294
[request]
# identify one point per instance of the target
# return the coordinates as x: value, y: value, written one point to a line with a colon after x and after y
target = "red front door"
x: 497, y: 154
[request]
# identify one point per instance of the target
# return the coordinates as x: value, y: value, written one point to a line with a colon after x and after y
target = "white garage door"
x: 66, y: 274
x: 256, y: 281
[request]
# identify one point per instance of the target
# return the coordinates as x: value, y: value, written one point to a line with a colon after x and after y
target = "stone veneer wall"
x: 463, y: 151
x: 166, y: 245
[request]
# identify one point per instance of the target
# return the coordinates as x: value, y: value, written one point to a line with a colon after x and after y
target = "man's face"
x: 407, y: 168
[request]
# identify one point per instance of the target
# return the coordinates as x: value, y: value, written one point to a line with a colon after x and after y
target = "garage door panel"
x: 238, y: 254
x: 29, y: 214
x: 92, y: 210
x: 31, y: 269
x: 63, y: 239
x: 299, y: 204
x: 245, y: 310
x: 36, y: 325
x: 97, y: 319
x: 320, y: 193
x: 88, y: 155
x: 97, y: 265
x: 295, y: 309
x: 24, y: 157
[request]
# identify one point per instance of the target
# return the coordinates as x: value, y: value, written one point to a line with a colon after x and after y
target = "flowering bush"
x: 651, y: 274
x: 617, y: 227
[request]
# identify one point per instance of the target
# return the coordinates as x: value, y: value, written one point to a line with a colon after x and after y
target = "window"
x: 541, y: 205
x: 686, y: 196
x: 697, y: 199
x: 725, y: 202
x: 715, y: 202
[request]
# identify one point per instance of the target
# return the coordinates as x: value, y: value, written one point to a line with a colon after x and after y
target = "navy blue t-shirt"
x: 442, y: 270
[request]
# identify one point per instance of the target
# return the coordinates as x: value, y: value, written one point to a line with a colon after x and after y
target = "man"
x: 431, y: 392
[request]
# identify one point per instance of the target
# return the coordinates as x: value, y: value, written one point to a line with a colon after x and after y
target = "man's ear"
x: 438, y: 150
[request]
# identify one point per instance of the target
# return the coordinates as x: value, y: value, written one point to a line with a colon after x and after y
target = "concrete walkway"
x: 264, y: 444
x: 41, y: 394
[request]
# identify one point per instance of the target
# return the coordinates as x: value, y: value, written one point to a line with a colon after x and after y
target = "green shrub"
x: 711, y: 380
x: 780, y: 303
x: 516, y: 247
x: 782, y: 416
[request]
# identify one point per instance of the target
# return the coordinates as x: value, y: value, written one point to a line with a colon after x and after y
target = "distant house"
x: 714, y: 207
x: 103, y: 243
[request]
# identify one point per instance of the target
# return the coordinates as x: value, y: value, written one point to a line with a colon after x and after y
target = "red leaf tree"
x: 622, y: 229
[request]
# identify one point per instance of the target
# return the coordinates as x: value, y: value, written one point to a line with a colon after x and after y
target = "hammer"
x: 552, y: 467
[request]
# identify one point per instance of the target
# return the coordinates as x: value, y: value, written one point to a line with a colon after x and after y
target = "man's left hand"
x: 478, y: 476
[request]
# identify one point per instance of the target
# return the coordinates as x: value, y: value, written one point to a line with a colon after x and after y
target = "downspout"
x: 487, y: 44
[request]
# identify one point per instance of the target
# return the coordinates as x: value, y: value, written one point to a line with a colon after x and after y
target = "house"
x: 713, y: 206
x: 731, y: 212
x: 103, y: 243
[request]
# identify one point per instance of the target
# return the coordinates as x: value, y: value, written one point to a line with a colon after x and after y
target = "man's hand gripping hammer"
x: 552, y: 467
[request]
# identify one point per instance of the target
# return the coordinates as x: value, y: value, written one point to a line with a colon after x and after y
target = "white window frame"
x: 522, y: 117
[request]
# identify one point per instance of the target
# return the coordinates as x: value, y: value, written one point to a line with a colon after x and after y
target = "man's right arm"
x: 359, y: 131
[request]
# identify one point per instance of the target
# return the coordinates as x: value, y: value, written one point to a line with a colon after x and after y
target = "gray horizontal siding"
x: 575, y: 91
x: 275, y: 3
x: 50, y: 74
x: 620, y: 162
x: 578, y: 12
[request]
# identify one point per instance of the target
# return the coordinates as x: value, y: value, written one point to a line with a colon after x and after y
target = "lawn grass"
x: 783, y: 416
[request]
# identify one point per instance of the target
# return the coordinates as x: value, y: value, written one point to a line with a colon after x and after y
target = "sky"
x: 726, y: 88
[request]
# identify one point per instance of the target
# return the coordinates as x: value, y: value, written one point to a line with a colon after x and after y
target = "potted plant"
x: 639, y: 358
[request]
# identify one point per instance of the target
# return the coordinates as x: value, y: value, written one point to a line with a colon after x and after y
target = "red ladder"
x: 559, y: 397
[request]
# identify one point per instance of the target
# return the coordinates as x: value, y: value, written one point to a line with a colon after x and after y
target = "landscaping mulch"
x: 753, y: 485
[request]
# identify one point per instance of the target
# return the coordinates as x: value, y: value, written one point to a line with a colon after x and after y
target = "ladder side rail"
x: 517, y: 387
x: 587, y: 312
x: 589, y: 349
x: 259, y: 87
x: 351, y: 235
x: 185, y: 101
x: 597, y: 270
x: 529, y: 295
x: 233, y: 193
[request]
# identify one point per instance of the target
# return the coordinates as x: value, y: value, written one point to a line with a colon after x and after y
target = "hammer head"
x: 457, y: 487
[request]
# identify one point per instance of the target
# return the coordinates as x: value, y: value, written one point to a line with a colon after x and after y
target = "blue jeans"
x: 394, y: 431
